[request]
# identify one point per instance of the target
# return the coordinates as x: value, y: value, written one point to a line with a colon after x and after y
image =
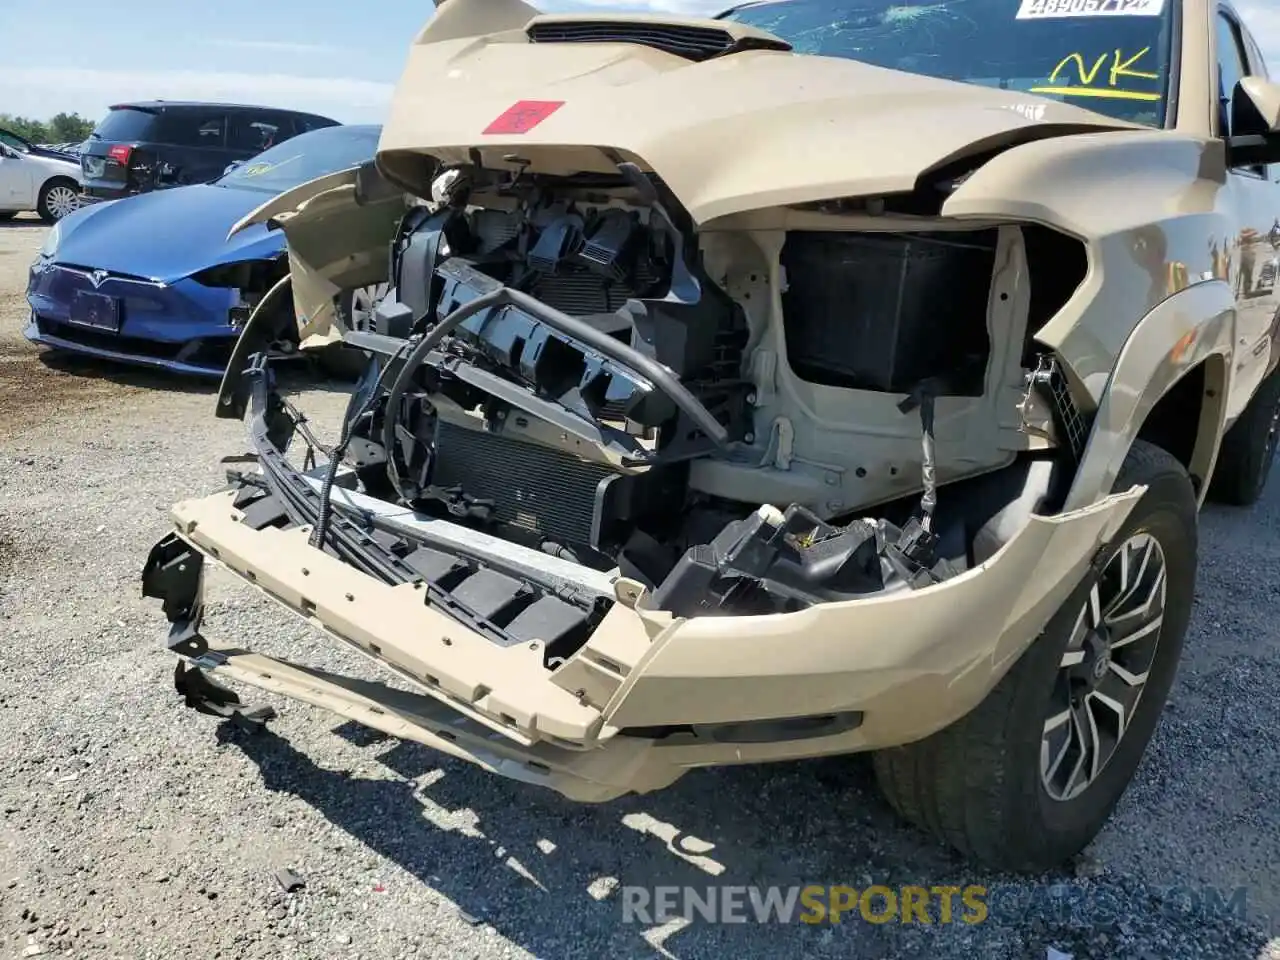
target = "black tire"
x: 1249, y: 449
x: 54, y: 188
x: 977, y: 785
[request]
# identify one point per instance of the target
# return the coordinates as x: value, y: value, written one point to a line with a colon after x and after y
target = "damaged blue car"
x: 154, y: 280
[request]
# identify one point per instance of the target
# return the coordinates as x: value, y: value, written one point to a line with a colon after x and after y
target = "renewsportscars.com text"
x: 1075, y: 905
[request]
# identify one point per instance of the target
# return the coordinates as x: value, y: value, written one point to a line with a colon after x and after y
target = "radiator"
x: 532, y: 487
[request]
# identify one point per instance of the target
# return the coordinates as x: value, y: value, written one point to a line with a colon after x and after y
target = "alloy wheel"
x: 1104, y: 669
x: 61, y: 200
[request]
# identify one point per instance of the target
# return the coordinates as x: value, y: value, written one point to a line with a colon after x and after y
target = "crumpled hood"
x: 742, y: 131
x: 167, y: 234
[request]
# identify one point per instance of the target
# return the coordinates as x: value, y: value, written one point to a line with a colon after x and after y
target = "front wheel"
x: 58, y: 198
x: 1028, y: 778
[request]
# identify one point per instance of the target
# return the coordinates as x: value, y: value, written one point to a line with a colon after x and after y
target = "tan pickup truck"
x: 819, y: 378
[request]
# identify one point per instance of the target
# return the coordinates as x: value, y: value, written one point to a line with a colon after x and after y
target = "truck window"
x: 1233, y: 66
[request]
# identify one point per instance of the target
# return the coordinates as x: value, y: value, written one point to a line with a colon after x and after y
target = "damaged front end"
x: 552, y: 511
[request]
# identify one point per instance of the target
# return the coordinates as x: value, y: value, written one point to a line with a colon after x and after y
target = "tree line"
x: 62, y: 128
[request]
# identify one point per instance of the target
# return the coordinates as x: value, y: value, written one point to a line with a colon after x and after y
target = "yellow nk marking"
x: 1124, y: 68
x: 1121, y: 66
x: 1086, y: 76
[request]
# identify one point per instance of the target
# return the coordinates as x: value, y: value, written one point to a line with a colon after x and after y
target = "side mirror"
x: 1255, y: 123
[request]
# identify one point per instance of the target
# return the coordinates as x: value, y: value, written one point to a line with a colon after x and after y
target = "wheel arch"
x: 56, y: 178
x: 47, y: 185
x: 1188, y: 420
x: 1174, y: 368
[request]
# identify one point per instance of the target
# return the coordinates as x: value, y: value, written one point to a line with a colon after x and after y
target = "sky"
x: 333, y: 57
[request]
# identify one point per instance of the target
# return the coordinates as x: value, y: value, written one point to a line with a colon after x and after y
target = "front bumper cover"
x: 648, y: 696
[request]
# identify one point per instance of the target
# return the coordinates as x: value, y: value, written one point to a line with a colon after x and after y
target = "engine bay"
x: 553, y: 361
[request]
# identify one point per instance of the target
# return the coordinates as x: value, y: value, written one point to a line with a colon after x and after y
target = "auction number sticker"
x: 1044, y: 9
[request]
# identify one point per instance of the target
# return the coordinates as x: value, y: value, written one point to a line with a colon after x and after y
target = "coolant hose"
x: 414, y: 360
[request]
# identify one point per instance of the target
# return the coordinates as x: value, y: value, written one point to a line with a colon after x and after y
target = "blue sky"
x: 332, y: 56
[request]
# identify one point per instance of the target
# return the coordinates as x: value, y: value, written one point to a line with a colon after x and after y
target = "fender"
x: 1145, y: 205
x: 338, y: 229
x: 1192, y: 327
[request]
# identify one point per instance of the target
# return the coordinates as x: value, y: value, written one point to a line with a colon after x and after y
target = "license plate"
x: 94, y: 166
x: 97, y: 311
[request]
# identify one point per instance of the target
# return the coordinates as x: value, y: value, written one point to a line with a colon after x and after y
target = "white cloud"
x: 44, y: 91
x: 1263, y: 18
x: 275, y: 46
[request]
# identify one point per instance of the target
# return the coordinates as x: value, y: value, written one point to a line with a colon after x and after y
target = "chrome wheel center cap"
x: 1100, y: 667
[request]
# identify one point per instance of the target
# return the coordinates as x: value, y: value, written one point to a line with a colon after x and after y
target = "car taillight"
x: 121, y: 154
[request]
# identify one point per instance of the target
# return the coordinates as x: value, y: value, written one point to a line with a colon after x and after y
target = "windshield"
x: 305, y: 157
x: 15, y: 142
x: 1111, y: 56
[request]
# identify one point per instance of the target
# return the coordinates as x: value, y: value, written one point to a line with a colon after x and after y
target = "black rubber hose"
x: 660, y: 375
x: 321, y: 530
x: 414, y: 360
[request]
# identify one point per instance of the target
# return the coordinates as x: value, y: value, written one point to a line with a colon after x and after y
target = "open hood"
x: 727, y: 116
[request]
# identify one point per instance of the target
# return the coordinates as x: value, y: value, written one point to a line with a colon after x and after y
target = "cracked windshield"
x: 1110, y: 56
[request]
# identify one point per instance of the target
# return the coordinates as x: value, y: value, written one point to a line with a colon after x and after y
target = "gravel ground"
x: 132, y: 827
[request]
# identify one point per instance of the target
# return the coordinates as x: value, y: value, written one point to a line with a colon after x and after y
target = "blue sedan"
x: 153, y: 279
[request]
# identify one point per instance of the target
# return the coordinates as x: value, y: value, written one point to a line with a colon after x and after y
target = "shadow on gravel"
x: 546, y: 874
x: 124, y: 375
x: 293, y: 379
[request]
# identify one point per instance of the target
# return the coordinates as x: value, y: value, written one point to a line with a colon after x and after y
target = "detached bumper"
x: 647, y: 696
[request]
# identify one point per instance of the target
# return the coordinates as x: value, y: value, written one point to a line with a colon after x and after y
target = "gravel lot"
x: 132, y: 827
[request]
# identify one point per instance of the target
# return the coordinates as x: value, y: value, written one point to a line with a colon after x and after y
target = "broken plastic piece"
x: 913, y: 556
x: 205, y: 696
x: 773, y: 560
x: 289, y: 880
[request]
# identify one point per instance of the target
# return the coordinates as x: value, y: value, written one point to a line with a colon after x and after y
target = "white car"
x: 35, y: 179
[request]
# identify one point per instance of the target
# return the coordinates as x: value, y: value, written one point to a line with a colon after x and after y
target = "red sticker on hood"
x: 523, y: 115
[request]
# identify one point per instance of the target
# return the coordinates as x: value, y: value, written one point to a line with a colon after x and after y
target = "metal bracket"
x: 205, y: 696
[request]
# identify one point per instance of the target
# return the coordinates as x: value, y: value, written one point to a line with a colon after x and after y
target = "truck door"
x: 1254, y: 250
